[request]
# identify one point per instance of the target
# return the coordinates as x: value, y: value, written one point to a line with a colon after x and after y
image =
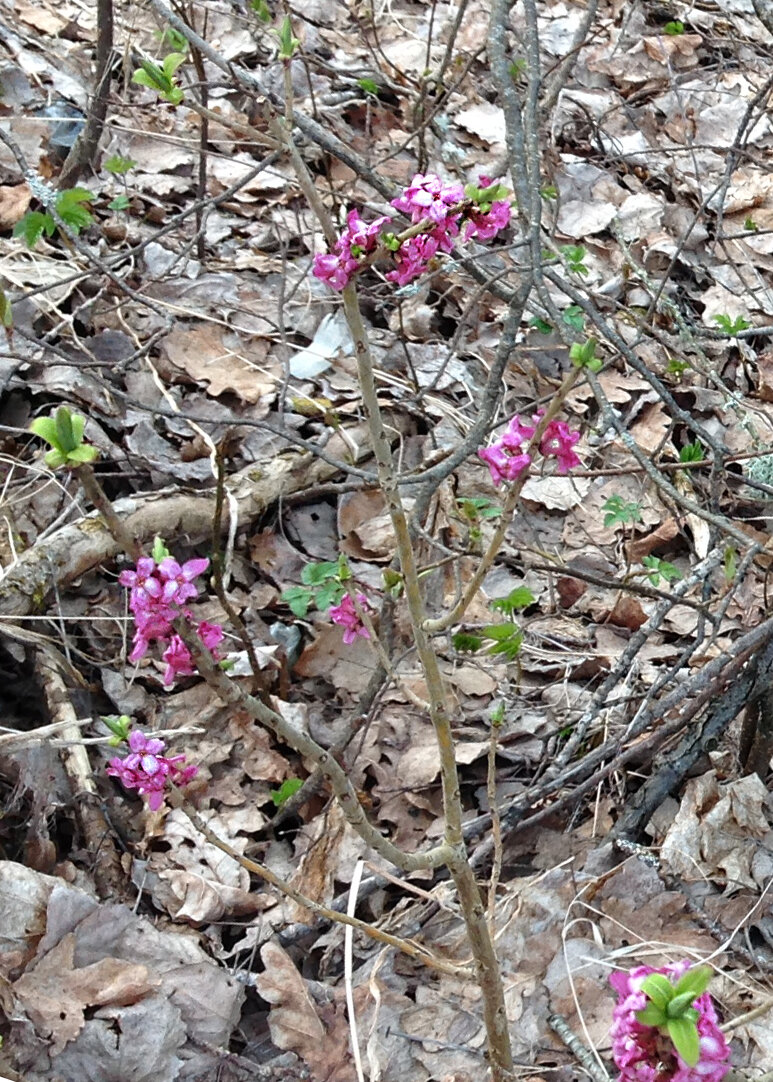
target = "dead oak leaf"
x: 213, y: 354
x: 55, y: 994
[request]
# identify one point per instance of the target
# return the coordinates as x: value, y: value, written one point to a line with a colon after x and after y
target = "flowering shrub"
x: 506, y: 458
x: 347, y: 616
x: 158, y: 592
x: 664, y: 1031
x: 443, y: 206
x: 148, y: 771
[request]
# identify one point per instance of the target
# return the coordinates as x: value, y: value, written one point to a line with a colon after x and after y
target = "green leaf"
x: 368, y: 85
x: 695, y: 980
x: 465, y: 642
x: 65, y: 432
x: 45, y: 427
x: 261, y: 9
x: 172, y: 39
x: 692, y: 452
x: 574, y: 317
x: 287, y: 43
x: 541, y: 326
x: 511, y: 647
x: 620, y: 510
x: 329, y: 594
x: 731, y: 326
x: 121, y: 202
x: 32, y: 226
x: 651, y: 1016
x: 751, y: 225
x: 499, y: 632
x: 84, y: 453
x: 119, y: 165
x: 159, y: 551
x: 674, y: 28
x: 658, y: 989
x: 519, y: 598
x: 731, y: 563
x: 288, y: 788
x: 6, y: 311
x: 684, y: 1035
x: 54, y: 459
x: 298, y: 598
x: 316, y: 574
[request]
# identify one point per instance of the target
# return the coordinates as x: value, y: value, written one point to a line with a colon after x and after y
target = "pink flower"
x: 427, y: 196
x: 178, y: 581
x: 347, y: 616
x: 516, y: 434
x: 147, y: 770
x: 502, y: 465
x: 558, y: 440
x: 643, y: 1053
x: 178, y: 657
x: 485, y: 226
x: 357, y: 240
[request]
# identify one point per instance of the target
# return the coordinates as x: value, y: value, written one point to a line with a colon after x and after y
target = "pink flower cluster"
x: 427, y: 198
x: 644, y: 1054
x: 148, y: 771
x: 158, y: 593
x: 357, y: 240
x: 347, y: 616
x: 506, y: 458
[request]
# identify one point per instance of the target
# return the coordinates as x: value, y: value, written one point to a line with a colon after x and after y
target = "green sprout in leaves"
x: 549, y: 192
x: 70, y: 208
x: 262, y: 10
x: 573, y: 317
x: 670, y: 1009
x: 162, y: 79
x: 120, y: 727
x: 369, y: 86
x: 288, y: 788
x: 574, y: 254
x: 519, y: 598
x: 169, y: 38
x: 64, y: 434
x: 658, y: 569
x: 583, y: 355
x: 751, y: 225
x: 620, y: 511
x: 541, y: 325
x: 677, y: 368
x: 6, y: 313
x: 731, y: 326
x: 118, y: 165
x: 692, y: 452
x: 674, y: 29
x: 287, y: 43
x: 322, y: 585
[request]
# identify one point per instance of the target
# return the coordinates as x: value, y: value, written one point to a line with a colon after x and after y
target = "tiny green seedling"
x: 575, y: 254
x: 64, y: 434
x: 69, y: 206
x: 583, y: 355
x: 322, y: 584
x: 287, y: 43
x: 621, y: 512
x: 574, y: 317
x: 751, y: 225
x: 677, y: 368
x: 162, y: 79
x: 261, y: 9
x: 120, y: 727
x: 658, y: 569
x: 674, y: 29
x: 541, y: 325
x: 731, y: 326
x: 288, y: 788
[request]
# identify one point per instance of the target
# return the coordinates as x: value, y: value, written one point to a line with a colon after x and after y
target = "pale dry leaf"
x: 219, y: 356
x: 556, y: 493
x: 485, y: 120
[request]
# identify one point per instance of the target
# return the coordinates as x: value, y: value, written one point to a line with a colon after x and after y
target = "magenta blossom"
x: 558, y: 440
x: 503, y: 466
x: 178, y: 581
x: 427, y: 196
x: 148, y: 771
x: 178, y: 657
x: 358, y: 239
x: 643, y: 1053
x: 347, y: 616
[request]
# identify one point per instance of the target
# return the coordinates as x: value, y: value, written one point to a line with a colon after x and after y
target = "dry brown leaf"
x: 14, y: 203
x: 218, y: 356
x: 55, y: 994
x: 41, y: 18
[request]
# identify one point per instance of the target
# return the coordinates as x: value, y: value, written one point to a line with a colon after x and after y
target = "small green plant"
x: 677, y: 368
x: 120, y: 727
x: 506, y: 639
x: 162, y: 79
x: 583, y: 355
x: 64, y: 434
x: 119, y: 166
x: 574, y: 317
x: 70, y: 208
x: 369, y: 86
x: 692, y: 452
x: 261, y: 9
x: 288, y: 788
x: 731, y: 563
x: 541, y: 325
x: 574, y: 254
x: 670, y: 1009
x: 660, y: 569
x: 751, y: 225
x: 621, y: 512
x: 287, y: 43
x: 674, y: 28
x: 549, y: 192
x: 169, y: 38
x: 731, y: 326
x: 519, y: 598
x: 322, y: 585
x: 6, y: 313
